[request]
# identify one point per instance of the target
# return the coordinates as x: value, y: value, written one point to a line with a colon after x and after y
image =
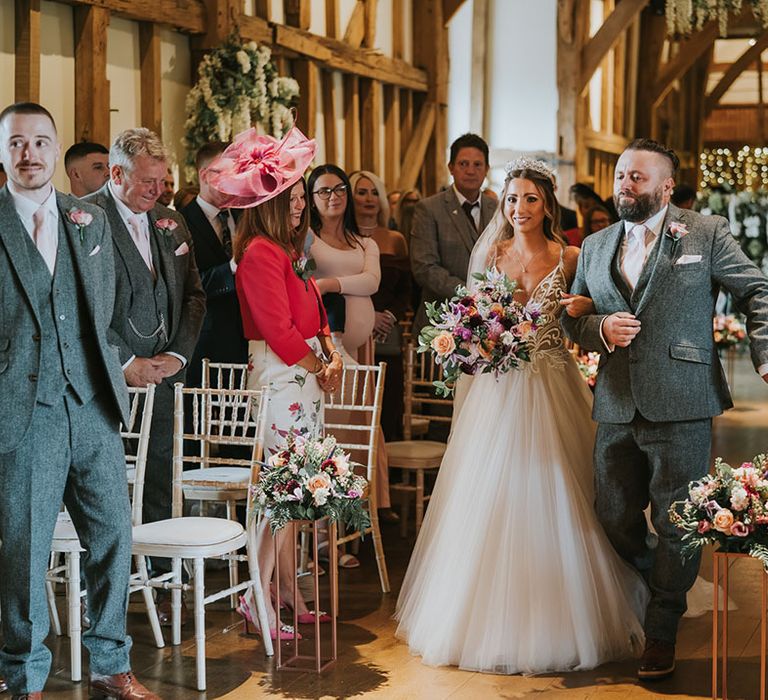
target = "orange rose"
x: 318, y: 481
x: 723, y: 520
x: 486, y: 348
x: 443, y: 344
x: 524, y: 329
x: 497, y: 309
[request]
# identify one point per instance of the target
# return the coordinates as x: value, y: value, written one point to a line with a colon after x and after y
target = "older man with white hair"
x: 159, y: 301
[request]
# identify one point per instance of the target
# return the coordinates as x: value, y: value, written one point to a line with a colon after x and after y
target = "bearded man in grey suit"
x: 446, y: 225
x: 654, y: 278
x: 159, y: 300
x: 63, y: 398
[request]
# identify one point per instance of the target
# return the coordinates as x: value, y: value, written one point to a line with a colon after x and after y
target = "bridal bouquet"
x: 481, y: 331
x: 729, y: 330
x: 728, y: 508
x: 311, y: 478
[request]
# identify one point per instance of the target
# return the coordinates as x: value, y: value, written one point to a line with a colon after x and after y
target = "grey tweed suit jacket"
x: 670, y: 371
x: 19, y: 321
x: 186, y: 298
x: 442, y: 239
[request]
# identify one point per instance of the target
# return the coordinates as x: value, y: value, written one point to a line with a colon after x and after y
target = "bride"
x: 511, y: 572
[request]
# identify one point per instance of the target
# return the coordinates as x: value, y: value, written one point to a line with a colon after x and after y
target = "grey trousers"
x: 636, y: 464
x: 72, y: 454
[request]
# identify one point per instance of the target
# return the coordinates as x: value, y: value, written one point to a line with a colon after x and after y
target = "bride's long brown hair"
x: 272, y: 220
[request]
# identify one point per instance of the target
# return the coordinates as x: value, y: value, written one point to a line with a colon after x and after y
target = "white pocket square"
x: 688, y: 259
x: 94, y: 251
x: 183, y: 249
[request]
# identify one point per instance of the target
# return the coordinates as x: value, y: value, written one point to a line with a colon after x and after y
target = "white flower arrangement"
x: 685, y: 16
x: 238, y: 87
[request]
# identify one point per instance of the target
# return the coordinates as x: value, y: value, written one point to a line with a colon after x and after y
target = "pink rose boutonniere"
x: 304, y: 267
x: 166, y: 226
x: 80, y: 219
x: 677, y: 230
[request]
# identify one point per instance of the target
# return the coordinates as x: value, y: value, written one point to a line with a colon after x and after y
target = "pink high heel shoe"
x: 286, y: 631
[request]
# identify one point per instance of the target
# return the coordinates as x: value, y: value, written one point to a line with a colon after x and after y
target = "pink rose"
x: 677, y: 230
x: 318, y: 481
x: 723, y: 520
x: 739, y: 529
x: 79, y: 217
x: 704, y: 527
x: 166, y: 225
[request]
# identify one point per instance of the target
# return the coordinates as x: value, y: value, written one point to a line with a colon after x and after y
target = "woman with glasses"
x: 347, y: 262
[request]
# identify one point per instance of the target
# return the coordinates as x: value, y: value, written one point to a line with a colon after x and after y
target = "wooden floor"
x: 373, y: 663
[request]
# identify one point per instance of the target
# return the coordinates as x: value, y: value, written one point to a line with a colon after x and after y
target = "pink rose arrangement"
x: 728, y: 508
x: 80, y: 219
x: 310, y: 478
x: 729, y: 330
x: 588, y: 363
x: 481, y: 331
x: 166, y: 225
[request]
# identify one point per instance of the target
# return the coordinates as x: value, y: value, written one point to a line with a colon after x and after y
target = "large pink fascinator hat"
x: 256, y: 167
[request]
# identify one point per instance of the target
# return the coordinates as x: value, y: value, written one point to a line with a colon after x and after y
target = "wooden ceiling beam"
x: 27, y: 71
x: 743, y: 62
x: 337, y: 55
x: 185, y: 15
x: 450, y: 8
x: 597, y: 48
x: 688, y: 53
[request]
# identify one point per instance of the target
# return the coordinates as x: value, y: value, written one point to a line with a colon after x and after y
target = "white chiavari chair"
x: 418, y: 456
x: 352, y: 416
x: 235, y: 417
x: 67, y: 544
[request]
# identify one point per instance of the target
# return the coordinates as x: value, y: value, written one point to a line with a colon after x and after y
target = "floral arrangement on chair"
x: 311, y: 478
x: 588, y: 364
x: 728, y: 508
x: 729, y: 331
x: 238, y: 87
x: 481, y: 331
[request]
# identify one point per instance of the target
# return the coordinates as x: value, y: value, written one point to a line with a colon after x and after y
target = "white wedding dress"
x: 511, y: 572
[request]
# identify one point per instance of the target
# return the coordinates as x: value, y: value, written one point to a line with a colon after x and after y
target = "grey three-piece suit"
x: 442, y: 239
x: 655, y: 399
x: 155, y: 316
x: 62, y: 396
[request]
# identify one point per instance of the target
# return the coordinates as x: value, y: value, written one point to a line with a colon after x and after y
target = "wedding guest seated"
x: 284, y: 321
x: 596, y: 219
x: 683, y: 196
x: 87, y: 167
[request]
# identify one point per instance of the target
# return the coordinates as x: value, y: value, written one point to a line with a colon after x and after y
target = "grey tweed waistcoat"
x: 69, y: 352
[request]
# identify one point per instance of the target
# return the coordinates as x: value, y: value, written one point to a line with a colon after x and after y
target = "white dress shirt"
x: 26, y: 208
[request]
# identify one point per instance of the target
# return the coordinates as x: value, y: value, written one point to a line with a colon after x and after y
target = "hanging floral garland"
x: 685, y: 16
x: 238, y: 87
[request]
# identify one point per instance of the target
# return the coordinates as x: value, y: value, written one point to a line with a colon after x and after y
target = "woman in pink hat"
x: 289, y: 342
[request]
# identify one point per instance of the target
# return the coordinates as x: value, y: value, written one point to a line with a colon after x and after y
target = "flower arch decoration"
x: 686, y: 16
x: 237, y: 87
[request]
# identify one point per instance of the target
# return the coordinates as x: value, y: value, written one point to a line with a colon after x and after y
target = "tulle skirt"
x: 511, y: 572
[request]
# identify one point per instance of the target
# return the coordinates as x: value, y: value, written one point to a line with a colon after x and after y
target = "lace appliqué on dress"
x: 548, y: 344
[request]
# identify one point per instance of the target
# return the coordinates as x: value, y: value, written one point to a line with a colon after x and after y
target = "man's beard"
x: 643, y: 207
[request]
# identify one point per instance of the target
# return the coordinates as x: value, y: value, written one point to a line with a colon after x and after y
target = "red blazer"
x: 276, y: 305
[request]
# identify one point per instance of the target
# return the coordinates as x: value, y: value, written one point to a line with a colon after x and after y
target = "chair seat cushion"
x: 407, y: 452
x: 189, y: 531
x: 218, y: 477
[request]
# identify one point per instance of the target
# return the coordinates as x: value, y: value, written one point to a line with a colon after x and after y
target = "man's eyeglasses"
x: 326, y: 192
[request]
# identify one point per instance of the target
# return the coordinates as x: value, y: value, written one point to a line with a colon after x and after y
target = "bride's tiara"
x: 538, y: 166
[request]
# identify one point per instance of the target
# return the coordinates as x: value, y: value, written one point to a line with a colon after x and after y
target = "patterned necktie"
x: 44, y: 242
x: 634, y: 257
x: 226, y: 234
x: 141, y: 240
x: 468, y: 207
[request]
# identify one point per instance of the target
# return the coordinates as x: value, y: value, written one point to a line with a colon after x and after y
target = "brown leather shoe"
x: 164, y: 612
x: 122, y: 686
x: 658, y: 660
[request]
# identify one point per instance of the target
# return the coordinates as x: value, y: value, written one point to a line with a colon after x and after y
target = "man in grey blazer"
x: 63, y: 398
x: 447, y: 225
x: 654, y: 277
x: 159, y: 300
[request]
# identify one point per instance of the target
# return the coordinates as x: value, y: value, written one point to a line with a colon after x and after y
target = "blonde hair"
x: 132, y: 143
x: 382, y: 219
